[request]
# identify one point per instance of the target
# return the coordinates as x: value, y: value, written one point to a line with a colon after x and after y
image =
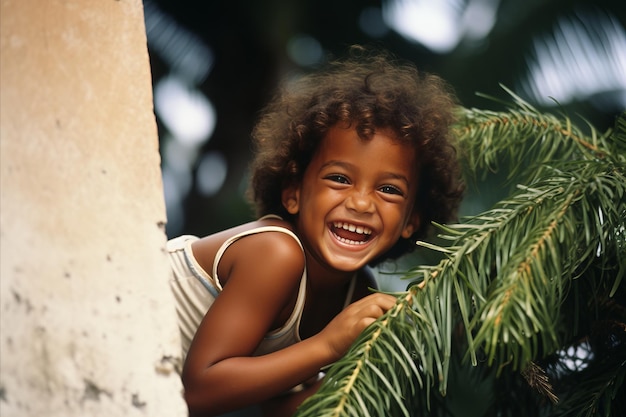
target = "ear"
x: 291, y: 199
x: 411, y: 226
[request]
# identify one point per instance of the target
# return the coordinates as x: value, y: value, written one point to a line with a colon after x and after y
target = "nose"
x: 360, y: 202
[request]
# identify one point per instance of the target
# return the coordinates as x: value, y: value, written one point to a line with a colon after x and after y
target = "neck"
x: 322, y: 279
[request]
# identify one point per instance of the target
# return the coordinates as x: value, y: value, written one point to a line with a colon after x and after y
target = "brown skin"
x: 288, y: 404
x: 261, y: 273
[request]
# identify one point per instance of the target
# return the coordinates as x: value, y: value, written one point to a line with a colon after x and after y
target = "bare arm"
x: 220, y: 373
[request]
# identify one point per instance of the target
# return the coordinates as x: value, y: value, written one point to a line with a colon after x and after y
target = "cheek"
x: 321, y: 195
x: 395, y: 217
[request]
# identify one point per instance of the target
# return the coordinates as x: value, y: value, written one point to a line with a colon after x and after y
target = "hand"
x: 342, y: 331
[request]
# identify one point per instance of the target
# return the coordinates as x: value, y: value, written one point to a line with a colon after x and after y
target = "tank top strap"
x: 233, y: 239
x: 292, y: 324
x: 271, y: 216
x: 350, y: 292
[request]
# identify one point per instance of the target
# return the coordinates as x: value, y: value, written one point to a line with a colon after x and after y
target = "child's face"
x: 356, y: 198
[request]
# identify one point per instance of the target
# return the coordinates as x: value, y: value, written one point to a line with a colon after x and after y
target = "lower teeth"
x: 348, y: 241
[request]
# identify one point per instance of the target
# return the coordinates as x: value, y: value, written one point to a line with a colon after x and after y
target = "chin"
x: 347, y: 265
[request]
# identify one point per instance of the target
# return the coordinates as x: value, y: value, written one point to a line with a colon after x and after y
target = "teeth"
x: 350, y: 242
x: 353, y: 228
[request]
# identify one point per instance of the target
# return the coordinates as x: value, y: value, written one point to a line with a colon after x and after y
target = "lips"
x: 351, y: 234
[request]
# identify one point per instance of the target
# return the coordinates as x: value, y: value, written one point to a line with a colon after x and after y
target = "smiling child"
x: 353, y: 163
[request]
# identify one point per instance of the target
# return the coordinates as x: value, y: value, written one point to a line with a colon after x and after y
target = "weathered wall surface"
x: 87, y: 325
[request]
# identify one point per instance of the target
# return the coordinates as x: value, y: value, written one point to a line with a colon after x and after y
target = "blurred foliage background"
x: 215, y: 64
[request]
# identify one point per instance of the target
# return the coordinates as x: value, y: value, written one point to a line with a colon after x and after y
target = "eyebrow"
x: 347, y: 165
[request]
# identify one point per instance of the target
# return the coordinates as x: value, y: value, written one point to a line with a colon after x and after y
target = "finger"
x: 366, y: 321
x: 386, y: 301
x: 380, y: 300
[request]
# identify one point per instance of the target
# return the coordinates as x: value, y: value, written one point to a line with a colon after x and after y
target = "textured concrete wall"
x: 87, y: 326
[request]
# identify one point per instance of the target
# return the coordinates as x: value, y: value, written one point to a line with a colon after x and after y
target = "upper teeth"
x: 353, y: 228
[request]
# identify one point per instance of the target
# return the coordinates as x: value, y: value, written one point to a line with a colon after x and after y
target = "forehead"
x: 382, y: 149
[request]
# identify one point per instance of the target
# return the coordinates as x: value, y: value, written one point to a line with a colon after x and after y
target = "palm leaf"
x: 505, y: 273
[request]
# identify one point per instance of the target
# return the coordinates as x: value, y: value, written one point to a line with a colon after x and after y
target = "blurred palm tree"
x: 525, y: 315
x: 234, y: 52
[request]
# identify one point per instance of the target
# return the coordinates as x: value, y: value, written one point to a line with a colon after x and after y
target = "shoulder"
x: 275, y: 242
x: 261, y: 274
x: 271, y: 235
x: 266, y: 245
x: 250, y: 235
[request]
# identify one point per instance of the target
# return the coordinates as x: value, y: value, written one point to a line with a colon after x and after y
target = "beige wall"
x: 87, y: 324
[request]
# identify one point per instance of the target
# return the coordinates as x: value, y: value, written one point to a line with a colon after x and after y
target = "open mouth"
x: 351, y: 234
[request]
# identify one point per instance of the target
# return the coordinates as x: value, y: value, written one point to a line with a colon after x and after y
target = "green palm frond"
x: 523, y: 137
x: 509, y: 279
x: 516, y: 260
x: 353, y: 388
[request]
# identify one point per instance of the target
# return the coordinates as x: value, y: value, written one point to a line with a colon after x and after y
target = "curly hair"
x: 367, y: 90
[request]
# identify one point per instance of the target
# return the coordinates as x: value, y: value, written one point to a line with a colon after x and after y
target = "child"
x: 352, y: 166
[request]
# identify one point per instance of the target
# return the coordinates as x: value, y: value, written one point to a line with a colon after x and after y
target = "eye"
x: 391, y: 189
x: 341, y: 179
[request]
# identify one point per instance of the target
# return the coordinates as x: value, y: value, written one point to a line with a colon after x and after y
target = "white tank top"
x: 195, y: 291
